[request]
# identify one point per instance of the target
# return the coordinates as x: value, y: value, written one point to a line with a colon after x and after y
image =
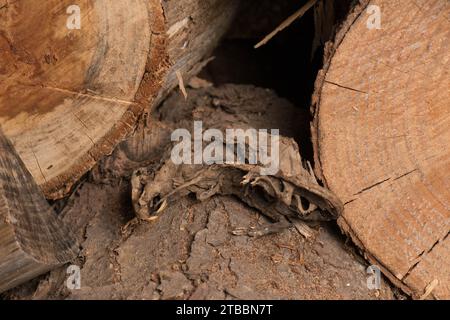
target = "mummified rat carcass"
x: 162, y: 171
x: 290, y: 192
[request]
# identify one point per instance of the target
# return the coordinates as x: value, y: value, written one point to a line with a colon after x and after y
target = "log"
x: 33, y: 240
x: 381, y: 135
x: 75, y: 79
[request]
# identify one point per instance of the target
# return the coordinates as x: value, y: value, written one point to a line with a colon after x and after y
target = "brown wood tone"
x: 68, y: 96
x: 33, y: 240
x: 382, y: 136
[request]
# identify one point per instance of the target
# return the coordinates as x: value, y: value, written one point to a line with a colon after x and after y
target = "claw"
x: 240, y: 231
x: 132, y: 222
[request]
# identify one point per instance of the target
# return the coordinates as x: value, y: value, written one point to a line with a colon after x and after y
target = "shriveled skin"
x: 293, y: 192
x: 156, y: 180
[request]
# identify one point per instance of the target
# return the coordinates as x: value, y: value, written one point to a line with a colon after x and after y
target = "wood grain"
x: 381, y: 136
x: 33, y: 240
x: 67, y: 97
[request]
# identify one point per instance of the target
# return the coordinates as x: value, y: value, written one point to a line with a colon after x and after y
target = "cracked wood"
x: 385, y: 152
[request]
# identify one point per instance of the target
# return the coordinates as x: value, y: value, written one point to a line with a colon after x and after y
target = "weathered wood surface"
x: 68, y: 96
x: 33, y: 240
x: 382, y: 135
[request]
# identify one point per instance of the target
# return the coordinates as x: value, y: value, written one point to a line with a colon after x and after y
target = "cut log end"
x: 381, y: 137
x: 70, y: 93
x: 75, y: 79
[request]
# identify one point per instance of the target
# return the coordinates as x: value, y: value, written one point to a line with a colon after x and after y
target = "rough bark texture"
x: 381, y: 136
x: 67, y: 97
x: 190, y: 251
x: 33, y: 240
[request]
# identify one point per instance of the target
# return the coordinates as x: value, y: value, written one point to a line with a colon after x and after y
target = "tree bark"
x: 33, y: 240
x: 68, y: 96
x: 381, y: 138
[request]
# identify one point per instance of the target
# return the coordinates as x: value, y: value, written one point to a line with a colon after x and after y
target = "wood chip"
x: 302, y: 228
x: 181, y: 84
x: 429, y: 289
x: 199, y: 83
x: 286, y: 23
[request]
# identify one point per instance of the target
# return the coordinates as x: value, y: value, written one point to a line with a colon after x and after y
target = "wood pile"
x: 80, y: 86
